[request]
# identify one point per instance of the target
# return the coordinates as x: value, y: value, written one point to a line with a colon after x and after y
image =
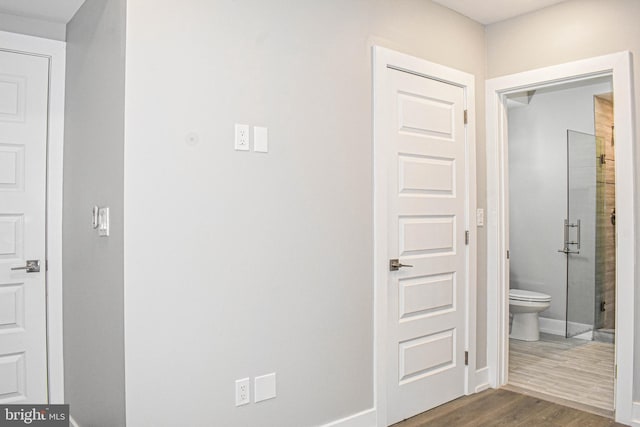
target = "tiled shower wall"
x: 605, y: 240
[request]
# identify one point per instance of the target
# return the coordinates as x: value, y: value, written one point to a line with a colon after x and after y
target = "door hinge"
x: 616, y: 372
x: 507, y: 254
x: 466, y: 358
x: 466, y: 117
x: 466, y: 237
x: 46, y: 265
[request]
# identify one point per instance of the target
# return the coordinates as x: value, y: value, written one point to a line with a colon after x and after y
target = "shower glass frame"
x: 585, y: 205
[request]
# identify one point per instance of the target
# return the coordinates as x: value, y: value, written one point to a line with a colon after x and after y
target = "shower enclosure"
x: 586, y: 230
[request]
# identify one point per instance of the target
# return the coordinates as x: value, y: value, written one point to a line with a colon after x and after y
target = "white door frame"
x: 382, y: 59
x: 55, y: 51
x: 618, y: 66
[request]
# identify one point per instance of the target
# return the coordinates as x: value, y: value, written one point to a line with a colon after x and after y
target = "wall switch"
x: 480, y: 217
x: 242, y: 137
x: 260, y: 139
x: 103, y: 222
x: 242, y: 391
x: 264, y: 387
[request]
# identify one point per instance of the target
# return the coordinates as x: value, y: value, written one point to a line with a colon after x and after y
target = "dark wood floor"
x: 505, y: 408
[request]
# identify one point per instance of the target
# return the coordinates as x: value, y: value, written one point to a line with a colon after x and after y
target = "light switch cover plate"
x: 260, y: 139
x: 264, y: 387
x: 480, y: 217
x: 103, y: 222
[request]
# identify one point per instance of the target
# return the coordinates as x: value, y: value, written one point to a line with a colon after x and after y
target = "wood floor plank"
x: 520, y: 411
x: 548, y: 416
x: 453, y: 413
x: 505, y: 408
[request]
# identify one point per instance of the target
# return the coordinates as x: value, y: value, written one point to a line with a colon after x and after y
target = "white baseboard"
x: 558, y: 327
x: 552, y: 326
x: 635, y: 414
x: 585, y: 336
x: 361, y: 419
x: 482, y: 379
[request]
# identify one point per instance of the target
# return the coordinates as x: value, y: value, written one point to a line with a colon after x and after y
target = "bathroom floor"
x: 573, y: 370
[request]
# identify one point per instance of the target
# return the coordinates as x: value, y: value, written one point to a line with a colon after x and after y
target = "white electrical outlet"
x: 243, y: 391
x: 242, y: 137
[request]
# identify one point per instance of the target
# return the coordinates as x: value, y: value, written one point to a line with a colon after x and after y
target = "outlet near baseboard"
x: 243, y: 391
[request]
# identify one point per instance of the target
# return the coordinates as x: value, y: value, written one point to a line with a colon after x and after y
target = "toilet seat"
x: 522, y: 295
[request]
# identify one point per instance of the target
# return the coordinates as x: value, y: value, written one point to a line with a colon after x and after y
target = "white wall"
x: 93, y: 174
x: 538, y: 196
x: 239, y: 264
x: 569, y: 31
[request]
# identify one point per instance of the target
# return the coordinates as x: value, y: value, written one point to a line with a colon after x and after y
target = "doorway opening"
x: 618, y: 67
x: 561, y: 172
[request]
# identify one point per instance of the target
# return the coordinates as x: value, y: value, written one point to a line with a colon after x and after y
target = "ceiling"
x: 60, y: 11
x: 490, y: 11
x: 483, y: 11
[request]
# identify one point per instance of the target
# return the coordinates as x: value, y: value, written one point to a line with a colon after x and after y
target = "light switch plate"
x: 264, y: 387
x: 260, y: 139
x: 103, y: 222
x: 480, y: 217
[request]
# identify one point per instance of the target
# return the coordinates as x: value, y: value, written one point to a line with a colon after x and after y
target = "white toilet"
x: 525, y: 306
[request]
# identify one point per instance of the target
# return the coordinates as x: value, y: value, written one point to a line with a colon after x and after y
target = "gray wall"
x: 569, y: 31
x: 32, y: 27
x: 93, y: 174
x: 239, y: 264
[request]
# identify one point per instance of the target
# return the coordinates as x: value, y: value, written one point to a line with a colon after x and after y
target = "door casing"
x: 384, y: 58
x: 618, y: 66
x: 55, y: 51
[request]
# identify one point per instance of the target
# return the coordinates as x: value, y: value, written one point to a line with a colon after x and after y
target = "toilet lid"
x: 522, y: 295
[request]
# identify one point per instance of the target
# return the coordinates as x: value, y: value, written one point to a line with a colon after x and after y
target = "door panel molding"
x: 54, y: 51
x: 383, y: 60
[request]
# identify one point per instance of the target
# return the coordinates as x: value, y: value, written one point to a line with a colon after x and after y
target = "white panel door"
x: 427, y: 217
x: 24, y: 81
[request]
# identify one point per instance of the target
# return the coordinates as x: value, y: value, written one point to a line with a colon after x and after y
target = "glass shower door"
x: 583, y: 158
